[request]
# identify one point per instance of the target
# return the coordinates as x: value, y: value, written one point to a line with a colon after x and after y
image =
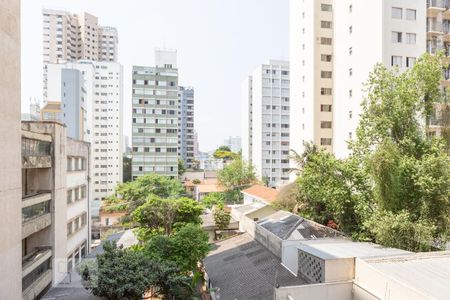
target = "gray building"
x: 186, y: 130
x: 73, y: 103
x: 155, y: 117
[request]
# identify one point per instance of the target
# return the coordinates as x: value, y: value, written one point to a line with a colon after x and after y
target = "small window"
x: 411, y: 38
x: 325, y: 124
x: 410, y: 62
x: 396, y: 61
x: 397, y: 13
x: 325, y: 24
x: 350, y: 72
x: 410, y: 14
x: 325, y: 41
x: 325, y: 141
x: 326, y: 7
x: 350, y: 93
x: 325, y: 57
x: 325, y: 91
x: 350, y: 29
x: 325, y: 74
x: 350, y: 114
x: 350, y: 51
x: 325, y: 107
x: 396, y: 37
x: 350, y: 8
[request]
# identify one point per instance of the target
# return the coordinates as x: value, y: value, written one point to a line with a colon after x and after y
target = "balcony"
x: 36, y: 272
x: 436, y: 6
x: 36, y: 198
x: 36, y: 217
x: 36, y: 154
x: 434, y: 29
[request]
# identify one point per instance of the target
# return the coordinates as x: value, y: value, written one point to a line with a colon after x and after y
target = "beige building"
x: 55, y: 205
x: 51, y: 111
x: 10, y: 180
x: 70, y: 36
x: 438, y: 39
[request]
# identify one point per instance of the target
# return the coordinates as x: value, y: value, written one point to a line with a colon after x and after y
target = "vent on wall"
x: 311, y: 267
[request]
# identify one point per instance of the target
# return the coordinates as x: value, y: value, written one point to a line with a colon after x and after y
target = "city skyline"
x: 232, y: 44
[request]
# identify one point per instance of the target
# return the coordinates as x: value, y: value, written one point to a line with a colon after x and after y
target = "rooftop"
x: 428, y: 273
x: 244, y: 269
x: 262, y: 192
x: 288, y: 226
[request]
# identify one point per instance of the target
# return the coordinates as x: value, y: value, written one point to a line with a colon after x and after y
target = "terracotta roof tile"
x: 262, y: 192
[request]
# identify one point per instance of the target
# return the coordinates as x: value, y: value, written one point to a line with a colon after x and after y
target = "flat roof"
x: 242, y: 268
x: 428, y: 273
x: 341, y: 248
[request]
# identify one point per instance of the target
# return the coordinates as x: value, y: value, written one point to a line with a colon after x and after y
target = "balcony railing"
x: 437, y: 4
x: 36, y: 272
x: 35, y: 211
x: 435, y: 27
x: 35, y: 147
x: 31, y: 199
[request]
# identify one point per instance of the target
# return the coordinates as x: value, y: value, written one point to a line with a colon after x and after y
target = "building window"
x: 350, y: 93
x: 350, y: 135
x: 396, y: 37
x: 325, y: 107
x: 410, y: 62
x: 411, y: 38
x: 326, y: 7
x: 350, y: 29
x: 350, y: 114
x: 350, y: 51
x: 325, y: 41
x: 325, y: 141
x: 325, y: 24
x: 325, y: 74
x: 350, y: 8
x: 397, y: 13
x: 410, y: 14
x: 325, y: 57
x: 325, y: 91
x: 325, y: 124
x: 350, y: 72
x: 396, y: 61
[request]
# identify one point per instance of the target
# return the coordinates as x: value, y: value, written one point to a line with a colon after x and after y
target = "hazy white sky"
x: 219, y: 43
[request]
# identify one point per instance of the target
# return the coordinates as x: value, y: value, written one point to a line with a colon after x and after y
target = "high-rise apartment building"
x: 186, y: 122
x: 334, y: 45
x: 155, y: 117
x: 102, y: 96
x: 234, y: 143
x: 269, y: 106
x: 73, y: 37
x: 438, y: 29
x: 247, y: 119
x: 311, y: 64
x: 10, y: 176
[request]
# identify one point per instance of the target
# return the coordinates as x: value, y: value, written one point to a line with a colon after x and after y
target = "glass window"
x: 325, y: 107
x: 325, y: 124
x: 410, y: 62
x: 396, y: 37
x: 325, y: 141
x: 325, y: 41
x: 326, y: 7
x: 325, y: 57
x: 325, y: 74
x: 397, y: 13
x: 411, y: 38
x: 410, y: 14
x: 396, y: 61
x: 325, y: 24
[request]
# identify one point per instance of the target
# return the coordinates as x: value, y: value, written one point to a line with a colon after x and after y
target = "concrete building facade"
x: 186, y: 123
x: 73, y: 37
x: 102, y: 95
x: 247, y: 119
x: 10, y: 178
x: 155, y: 117
x: 270, y: 122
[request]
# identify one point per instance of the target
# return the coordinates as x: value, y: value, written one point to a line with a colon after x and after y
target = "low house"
x: 209, y: 225
x: 110, y: 217
x: 205, y: 187
x: 259, y: 193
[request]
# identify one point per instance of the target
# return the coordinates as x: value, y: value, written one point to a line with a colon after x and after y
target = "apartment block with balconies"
x: 186, y: 122
x: 438, y: 40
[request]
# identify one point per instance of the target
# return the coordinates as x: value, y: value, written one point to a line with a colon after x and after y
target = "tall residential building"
x: 10, y: 177
x: 331, y: 59
x: 155, y: 117
x: 397, y: 31
x: 247, y: 119
x: 438, y: 28
x: 269, y: 106
x: 73, y: 37
x: 102, y: 86
x: 311, y: 63
x: 186, y: 123
x: 55, y: 205
x: 234, y: 143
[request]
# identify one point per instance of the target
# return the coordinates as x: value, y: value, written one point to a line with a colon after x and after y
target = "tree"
x: 288, y: 198
x: 181, y: 167
x: 225, y: 153
x: 159, y: 215
x: 221, y: 217
x: 212, y: 199
x: 120, y: 274
x: 236, y: 175
x: 186, y: 247
x: 126, y: 168
x: 135, y: 193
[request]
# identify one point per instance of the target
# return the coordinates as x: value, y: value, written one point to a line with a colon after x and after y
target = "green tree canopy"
x: 221, y: 217
x: 160, y: 215
x: 236, y: 175
x: 225, y: 153
x: 181, y: 167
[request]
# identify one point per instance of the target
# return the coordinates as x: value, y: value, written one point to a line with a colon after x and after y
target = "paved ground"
x: 71, y: 288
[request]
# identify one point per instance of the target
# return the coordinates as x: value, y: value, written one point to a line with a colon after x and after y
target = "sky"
x: 219, y: 43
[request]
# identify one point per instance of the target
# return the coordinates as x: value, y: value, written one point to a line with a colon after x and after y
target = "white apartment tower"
x: 186, y: 148
x: 155, y: 116
x: 103, y: 99
x: 268, y: 128
x: 70, y: 36
x: 334, y: 44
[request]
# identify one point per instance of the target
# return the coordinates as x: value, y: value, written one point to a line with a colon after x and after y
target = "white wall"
x: 322, y: 291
